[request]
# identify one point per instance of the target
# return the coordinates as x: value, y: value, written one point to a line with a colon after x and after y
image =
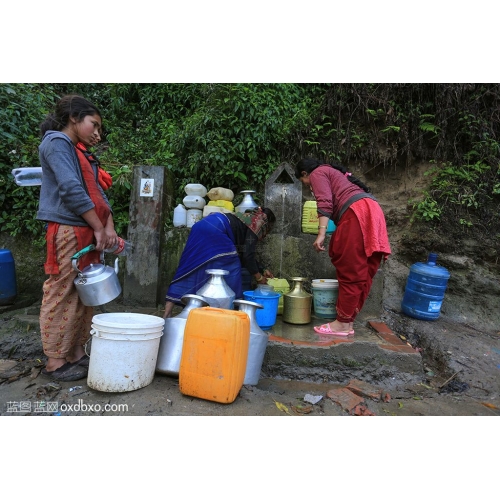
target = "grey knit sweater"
x: 63, y: 194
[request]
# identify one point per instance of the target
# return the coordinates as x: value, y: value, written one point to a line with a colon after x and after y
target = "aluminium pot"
x: 170, y: 350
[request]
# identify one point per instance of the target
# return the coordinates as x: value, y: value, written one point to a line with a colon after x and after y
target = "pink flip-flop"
x: 326, y: 330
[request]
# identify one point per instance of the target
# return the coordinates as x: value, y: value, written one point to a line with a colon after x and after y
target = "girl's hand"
x: 268, y: 274
x: 100, y: 239
x: 111, y: 237
x: 110, y: 233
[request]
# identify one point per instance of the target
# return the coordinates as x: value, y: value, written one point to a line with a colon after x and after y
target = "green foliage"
x: 235, y: 135
x: 466, y: 191
x: 22, y: 109
x: 427, y: 210
x: 427, y: 126
x: 391, y: 128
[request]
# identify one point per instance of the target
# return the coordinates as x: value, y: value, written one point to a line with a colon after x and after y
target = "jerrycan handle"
x: 81, y: 253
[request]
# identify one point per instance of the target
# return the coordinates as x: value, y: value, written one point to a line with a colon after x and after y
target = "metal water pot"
x: 97, y: 284
x: 297, y: 304
x: 258, y: 342
x: 216, y: 291
x: 248, y: 203
x: 170, y: 351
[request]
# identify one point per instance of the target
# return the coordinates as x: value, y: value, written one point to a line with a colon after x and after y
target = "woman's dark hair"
x: 69, y: 106
x: 270, y: 215
x: 309, y: 164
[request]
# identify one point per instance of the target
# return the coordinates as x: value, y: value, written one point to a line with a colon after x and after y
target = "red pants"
x: 355, y: 271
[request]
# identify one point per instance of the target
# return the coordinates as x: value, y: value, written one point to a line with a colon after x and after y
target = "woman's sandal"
x: 83, y: 361
x: 67, y: 372
x: 326, y: 330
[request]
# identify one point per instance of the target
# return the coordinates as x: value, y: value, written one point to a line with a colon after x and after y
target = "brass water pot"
x: 297, y: 304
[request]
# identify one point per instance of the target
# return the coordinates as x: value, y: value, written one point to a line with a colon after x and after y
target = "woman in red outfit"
x: 359, y: 243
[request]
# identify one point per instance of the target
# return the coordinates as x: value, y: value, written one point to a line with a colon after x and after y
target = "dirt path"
x: 476, y: 391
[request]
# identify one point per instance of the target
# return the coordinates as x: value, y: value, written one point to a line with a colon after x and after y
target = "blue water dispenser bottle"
x: 425, y: 288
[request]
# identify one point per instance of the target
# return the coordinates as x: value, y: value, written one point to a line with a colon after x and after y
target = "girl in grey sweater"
x: 78, y: 214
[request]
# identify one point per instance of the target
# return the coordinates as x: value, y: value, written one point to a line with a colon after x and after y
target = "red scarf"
x: 84, y: 234
x: 105, y: 180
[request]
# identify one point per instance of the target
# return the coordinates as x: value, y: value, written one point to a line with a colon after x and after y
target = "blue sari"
x: 210, y: 245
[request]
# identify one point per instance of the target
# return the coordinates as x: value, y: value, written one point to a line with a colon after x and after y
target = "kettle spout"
x: 117, y: 267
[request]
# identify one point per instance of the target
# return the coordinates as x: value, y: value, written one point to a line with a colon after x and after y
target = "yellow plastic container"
x: 214, y: 354
x: 228, y: 205
x: 281, y: 286
x: 310, y: 221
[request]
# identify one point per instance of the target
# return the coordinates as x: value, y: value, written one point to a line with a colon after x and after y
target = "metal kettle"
x: 97, y: 284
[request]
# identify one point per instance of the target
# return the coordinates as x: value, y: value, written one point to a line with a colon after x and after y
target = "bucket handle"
x: 85, y: 345
x: 81, y: 253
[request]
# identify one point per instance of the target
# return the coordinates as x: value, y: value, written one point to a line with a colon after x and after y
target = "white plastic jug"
x: 220, y: 193
x: 195, y: 190
x: 193, y: 216
x: 192, y: 201
x: 180, y: 216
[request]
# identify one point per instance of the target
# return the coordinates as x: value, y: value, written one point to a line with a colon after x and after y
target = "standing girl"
x: 359, y: 243
x: 78, y: 213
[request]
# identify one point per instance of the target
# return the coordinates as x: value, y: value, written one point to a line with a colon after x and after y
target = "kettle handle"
x: 81, y: 253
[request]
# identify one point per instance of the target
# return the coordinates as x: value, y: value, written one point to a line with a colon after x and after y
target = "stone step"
x: 373, y: 354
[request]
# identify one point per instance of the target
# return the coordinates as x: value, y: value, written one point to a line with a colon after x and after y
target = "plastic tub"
x: 266, y: 318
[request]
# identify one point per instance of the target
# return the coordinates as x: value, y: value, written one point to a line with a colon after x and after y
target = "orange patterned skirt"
x: 65, y: 321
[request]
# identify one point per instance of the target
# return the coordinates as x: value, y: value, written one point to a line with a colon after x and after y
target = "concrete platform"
x: 373, y: 354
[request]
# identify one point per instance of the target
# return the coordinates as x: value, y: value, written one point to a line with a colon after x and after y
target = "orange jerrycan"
x: 214, y: 354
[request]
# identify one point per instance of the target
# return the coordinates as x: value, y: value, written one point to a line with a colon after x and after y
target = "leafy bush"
x: 235, y: 135
x: 22, y: 109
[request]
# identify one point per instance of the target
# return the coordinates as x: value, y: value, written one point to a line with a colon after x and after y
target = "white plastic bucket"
x: 124, y: 351
x: 325, y: 293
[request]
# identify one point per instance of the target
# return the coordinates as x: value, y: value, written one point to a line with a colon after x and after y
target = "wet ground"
x: 375, y: 372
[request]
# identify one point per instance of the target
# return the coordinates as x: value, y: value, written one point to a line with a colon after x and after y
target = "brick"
x: 364, y: 389
x: 385, y: 333
x: 362, y: 411
x: 345, y: 398
x: 380, y: 327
